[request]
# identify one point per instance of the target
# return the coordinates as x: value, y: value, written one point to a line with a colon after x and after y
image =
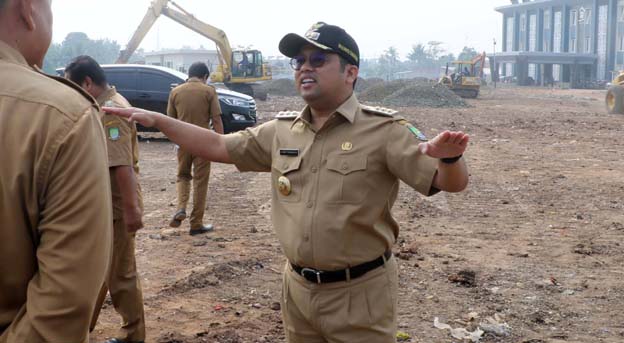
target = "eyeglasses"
x: 317, y: 59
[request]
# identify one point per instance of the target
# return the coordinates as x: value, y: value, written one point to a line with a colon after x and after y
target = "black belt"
x: 321, y: 276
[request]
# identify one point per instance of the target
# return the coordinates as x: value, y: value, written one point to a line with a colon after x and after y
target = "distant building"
x: 573, y: 41
x: 182, y: 59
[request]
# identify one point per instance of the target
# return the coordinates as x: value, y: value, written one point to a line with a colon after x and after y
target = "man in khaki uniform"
x: 196, y: 103
x: 335, y: 171
x: 55, y: 232
x: 123, y: 163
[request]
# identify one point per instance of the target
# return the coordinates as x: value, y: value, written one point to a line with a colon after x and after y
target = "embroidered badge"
x: 113, y: 133
x: 416, y: 132
x: 347, y: 146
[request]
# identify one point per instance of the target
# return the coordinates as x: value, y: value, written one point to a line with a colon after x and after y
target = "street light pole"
x: 494, y: 69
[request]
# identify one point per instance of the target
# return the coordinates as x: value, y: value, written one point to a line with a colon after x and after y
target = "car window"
x: 150, y: 81
x: 121, y: 79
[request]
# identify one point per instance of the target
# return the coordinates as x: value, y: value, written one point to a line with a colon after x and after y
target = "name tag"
x: 289, y: 152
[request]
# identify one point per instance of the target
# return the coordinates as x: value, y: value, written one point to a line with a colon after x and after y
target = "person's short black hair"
x: 82, y: 66
x: 199, y: 69
x: 2, y: 3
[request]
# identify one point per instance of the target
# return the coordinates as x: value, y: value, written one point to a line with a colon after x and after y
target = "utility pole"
x: 494, y: 69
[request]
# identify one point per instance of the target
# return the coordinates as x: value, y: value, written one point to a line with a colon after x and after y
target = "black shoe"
x: 117, y: 340
x: 201, y: 229
x: 177, y: 219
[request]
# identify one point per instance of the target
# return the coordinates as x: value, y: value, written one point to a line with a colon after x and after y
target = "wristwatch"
x: 451, y: 160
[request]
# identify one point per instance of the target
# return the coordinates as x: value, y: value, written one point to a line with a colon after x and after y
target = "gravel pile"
x: 417, y: 92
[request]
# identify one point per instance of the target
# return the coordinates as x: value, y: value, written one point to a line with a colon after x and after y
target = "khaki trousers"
x: 200, y: 177
x: 124, y: 286
x: 357, y: 311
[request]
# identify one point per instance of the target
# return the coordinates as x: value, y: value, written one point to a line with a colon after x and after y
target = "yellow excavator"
x: 239, y: 70
x: 465, y: 80
x: 615, y: 95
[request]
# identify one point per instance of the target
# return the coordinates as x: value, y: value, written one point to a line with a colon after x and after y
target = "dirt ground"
x: 541, y: 227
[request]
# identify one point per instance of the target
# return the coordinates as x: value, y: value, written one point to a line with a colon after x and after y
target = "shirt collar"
x: 8, y: 53
x: 347, y: 109
x: 106, y: 95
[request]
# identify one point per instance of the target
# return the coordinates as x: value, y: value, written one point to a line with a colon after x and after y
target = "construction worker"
x: 123, y: 163
x: 196, y: 103
x: 55, y: 201
x: 334, y: 177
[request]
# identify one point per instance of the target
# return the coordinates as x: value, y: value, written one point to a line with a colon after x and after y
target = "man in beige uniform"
x: 123, y: 162
x: 56, y: 228
x: 335, y: 171
x: 196, y: 103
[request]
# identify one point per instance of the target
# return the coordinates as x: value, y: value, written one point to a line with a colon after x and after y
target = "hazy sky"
x: 375, y: 25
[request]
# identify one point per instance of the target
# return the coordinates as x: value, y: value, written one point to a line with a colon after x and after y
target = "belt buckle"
x: 313, y: 271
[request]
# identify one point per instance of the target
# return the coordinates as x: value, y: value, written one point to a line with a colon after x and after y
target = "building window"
x: 573, y: 18
x: 523, y: 23
x: 621, y: 43
x: 620, y: 12
x: 588, y: 17
x: 546, y: 20
x: 169, y: 64
x: 587, y: 45
x: 572, y: 45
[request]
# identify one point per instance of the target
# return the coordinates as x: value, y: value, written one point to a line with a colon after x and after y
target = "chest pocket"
x: 286, y: 178
x: 346, y: 178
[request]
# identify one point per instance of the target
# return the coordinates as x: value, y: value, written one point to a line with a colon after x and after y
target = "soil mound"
x: 364, y: 84
x: 283, y: 87
x: 415, y: 92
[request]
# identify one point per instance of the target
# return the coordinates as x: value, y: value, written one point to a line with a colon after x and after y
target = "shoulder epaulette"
x: 380, y: 111
x: 287, y: 115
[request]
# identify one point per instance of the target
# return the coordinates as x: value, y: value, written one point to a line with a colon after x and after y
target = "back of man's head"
x: 85, y: 66
x: 199, y: 69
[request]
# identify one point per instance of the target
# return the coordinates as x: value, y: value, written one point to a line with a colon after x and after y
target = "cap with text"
x: 325, y: 37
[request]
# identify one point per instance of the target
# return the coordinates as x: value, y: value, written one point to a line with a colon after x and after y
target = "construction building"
x: 579, y: 42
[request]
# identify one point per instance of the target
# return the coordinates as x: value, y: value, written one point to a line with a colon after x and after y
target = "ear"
x: 25, y: 8
x: 87, y: 83
x: 352, y: 73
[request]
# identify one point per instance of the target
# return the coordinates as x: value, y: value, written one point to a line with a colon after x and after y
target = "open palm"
x: 445, y: 145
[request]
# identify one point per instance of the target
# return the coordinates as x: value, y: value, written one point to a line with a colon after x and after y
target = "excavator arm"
x: 184, y: 18
x: 146, y: 24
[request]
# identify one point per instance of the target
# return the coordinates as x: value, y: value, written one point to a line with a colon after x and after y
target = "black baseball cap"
x: 325, y: 37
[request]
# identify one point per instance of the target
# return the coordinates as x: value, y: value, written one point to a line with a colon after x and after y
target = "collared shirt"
x: 55, y: 205
x: 122, y: 144
x: 343, y: 181
x: 194, y: 102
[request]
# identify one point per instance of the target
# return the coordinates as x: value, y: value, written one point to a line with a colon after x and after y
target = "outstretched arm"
x: 194, y: 139
x: 451, y: 177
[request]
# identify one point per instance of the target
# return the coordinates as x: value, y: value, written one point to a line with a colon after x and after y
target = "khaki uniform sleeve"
x: 75, y: 237
x: 171, y: 109
x: 250, y: 150
x: 215, y: 108
x: 119, y: 138
x: 407, y: 163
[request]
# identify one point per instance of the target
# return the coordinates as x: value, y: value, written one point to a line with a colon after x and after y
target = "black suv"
x: 148, y: 87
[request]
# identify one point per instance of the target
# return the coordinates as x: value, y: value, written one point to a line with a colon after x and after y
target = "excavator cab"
x: 465, y: 80
x: 247, y: 64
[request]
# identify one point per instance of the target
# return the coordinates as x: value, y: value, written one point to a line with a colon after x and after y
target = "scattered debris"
x: 459, y: 333
x: 467, y: 278
x: 402, y: 336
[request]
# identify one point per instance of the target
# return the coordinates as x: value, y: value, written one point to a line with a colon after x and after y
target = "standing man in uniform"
x: 55, y: 233
x: 123, y: 163
x: 335, y: 177
x: 196, y: 103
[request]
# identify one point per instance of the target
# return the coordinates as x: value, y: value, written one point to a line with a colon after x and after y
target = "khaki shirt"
x: 55, y: 205
x: 194, y: 102
x: 344, y: 180
x: 122, y: 144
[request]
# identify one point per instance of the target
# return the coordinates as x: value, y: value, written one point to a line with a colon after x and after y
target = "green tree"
x: 467, y: 54
x: 78, y: 43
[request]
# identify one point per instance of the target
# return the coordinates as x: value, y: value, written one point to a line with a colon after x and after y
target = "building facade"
x: 182, y: 59
x: 572, y: 41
